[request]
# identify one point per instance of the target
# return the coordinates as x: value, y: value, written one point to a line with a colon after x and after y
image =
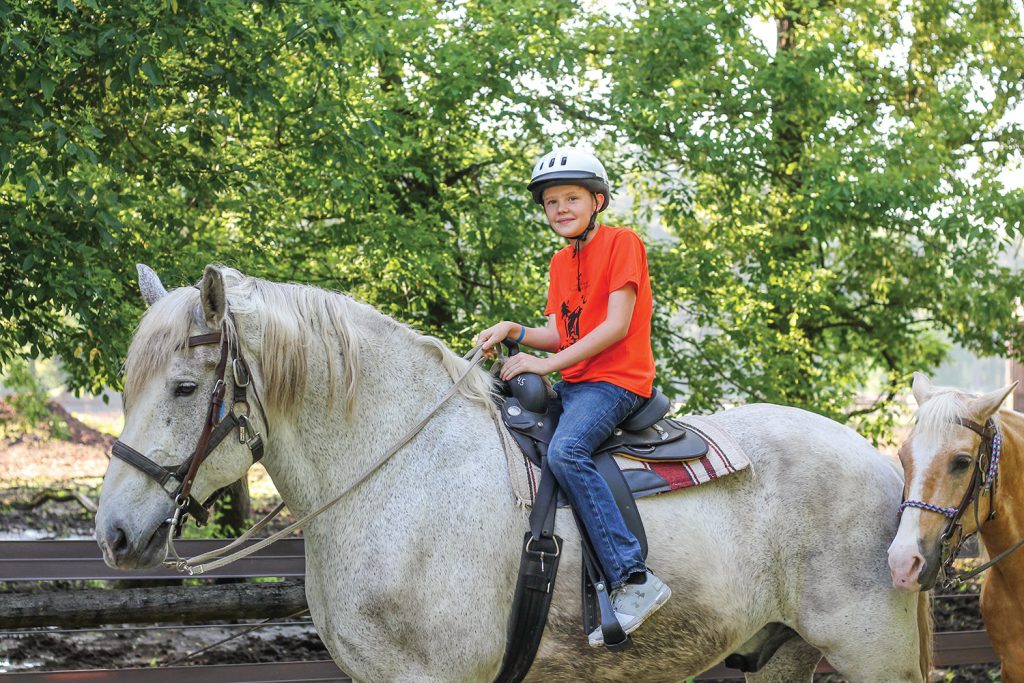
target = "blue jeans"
x: 590, y: 411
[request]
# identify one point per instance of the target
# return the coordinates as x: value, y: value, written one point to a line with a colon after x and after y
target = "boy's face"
x: 568, y: 208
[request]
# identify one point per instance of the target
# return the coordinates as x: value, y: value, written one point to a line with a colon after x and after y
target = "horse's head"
x: 945, y: 462
x: 184, y: 354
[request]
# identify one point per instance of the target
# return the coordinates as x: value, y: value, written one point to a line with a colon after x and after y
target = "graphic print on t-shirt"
x: 571, y: 324
x: 569, y: 316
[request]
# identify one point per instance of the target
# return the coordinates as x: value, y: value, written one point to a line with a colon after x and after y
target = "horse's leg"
x: 1004, y: 623
x: 793, y: 662
x: 875, y: 639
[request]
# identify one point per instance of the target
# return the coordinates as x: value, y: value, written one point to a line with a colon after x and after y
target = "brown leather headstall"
x: 983, y: 482
x: 215, y: 430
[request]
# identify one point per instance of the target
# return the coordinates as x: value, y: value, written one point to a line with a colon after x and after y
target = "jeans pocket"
x: 633, y: 401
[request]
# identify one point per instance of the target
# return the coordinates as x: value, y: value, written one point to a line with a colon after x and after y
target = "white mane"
x: 292, y: 318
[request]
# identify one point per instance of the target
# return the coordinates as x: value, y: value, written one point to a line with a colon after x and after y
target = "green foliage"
x: 364, y: 147
x: 835, y: 199
x: 835, y: 202
x: 29, y: 403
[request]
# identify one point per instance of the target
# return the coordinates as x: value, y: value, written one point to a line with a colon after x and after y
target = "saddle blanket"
x: 724, y: 457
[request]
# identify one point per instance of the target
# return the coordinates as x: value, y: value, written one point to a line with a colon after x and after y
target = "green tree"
x: 835, y: 198
x: 372, y: 147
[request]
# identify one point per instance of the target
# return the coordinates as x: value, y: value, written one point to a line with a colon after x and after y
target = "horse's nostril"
x: 119, y: 546
x: 916, y: 565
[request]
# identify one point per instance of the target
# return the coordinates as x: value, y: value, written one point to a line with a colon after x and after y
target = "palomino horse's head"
x: 183, y: 355
x: 946, y: 466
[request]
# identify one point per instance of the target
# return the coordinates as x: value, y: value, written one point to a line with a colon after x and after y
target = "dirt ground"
x: 31, y: 467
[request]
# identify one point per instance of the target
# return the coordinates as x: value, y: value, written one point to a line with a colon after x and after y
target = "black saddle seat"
x: 648, y: 412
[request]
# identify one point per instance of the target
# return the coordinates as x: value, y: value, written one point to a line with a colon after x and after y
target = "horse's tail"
x: 924, y: 632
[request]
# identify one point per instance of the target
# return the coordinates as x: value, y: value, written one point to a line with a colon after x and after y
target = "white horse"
x: 410, y: 577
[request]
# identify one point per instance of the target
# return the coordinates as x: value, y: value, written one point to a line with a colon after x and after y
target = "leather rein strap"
x: 215, y: 430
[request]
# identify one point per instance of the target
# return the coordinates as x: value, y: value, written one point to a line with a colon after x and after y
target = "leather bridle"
x: 983, y: 482
x: 220, y: 421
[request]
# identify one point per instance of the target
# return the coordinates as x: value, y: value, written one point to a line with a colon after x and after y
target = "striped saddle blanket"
x: 724, y: 457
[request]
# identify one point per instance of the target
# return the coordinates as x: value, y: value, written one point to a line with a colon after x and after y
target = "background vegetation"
x: 832, y: 201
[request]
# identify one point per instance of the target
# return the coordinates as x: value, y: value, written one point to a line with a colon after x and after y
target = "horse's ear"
x: 985, y: 405
x: 922, y: 388
x: 212, y: 297
x: 149, y: 284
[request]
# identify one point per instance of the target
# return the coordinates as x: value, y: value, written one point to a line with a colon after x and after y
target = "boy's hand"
x: 524, y: 362
x: 494, y: 335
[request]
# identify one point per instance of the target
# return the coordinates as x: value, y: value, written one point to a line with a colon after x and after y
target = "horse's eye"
x: 185, y: 388
x: 961, y: 462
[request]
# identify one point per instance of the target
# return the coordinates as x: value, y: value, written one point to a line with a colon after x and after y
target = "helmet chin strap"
x: 579, y: 239
x: 578, y: 243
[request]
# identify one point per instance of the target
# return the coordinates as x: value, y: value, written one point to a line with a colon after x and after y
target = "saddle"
x: 531, y: 416
x: 531, y: 413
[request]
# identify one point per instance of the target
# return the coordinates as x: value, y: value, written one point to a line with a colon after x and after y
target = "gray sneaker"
x: 633, y: 603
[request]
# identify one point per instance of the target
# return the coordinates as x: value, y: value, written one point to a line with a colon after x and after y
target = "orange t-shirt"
x: 613, y: 258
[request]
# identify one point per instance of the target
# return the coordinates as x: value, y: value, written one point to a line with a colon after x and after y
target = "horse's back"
x: 814, y: 511
x: 810, y: 457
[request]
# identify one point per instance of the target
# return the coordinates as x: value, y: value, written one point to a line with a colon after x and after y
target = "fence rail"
x: 50, y: 560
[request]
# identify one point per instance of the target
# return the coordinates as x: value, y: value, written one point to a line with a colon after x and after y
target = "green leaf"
x: 152, y: 73
x: 47, y: 85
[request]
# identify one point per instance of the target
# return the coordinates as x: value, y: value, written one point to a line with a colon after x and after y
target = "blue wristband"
x: 522, y: 333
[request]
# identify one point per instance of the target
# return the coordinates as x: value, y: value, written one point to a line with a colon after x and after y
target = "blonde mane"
x: 939, y: 412
x: 292, y: 317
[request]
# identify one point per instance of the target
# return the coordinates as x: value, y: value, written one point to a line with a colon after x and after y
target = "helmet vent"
x: 551, y: 162
x: 565, y: 160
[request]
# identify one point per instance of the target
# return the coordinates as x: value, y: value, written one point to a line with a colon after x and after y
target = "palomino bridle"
x: 221, y: 420
x: 983, y: 483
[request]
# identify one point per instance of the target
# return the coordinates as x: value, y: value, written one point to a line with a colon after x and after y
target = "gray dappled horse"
x: 410, y: 576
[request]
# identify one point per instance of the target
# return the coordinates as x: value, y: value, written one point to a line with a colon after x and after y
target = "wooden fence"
x: 22, y: 561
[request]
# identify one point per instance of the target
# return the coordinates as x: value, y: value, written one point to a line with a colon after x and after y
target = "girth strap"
x: 534, y: 590
x: 545, y: 504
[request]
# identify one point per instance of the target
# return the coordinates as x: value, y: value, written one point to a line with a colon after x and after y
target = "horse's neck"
x: 323, y: 450
x: 1008, y: 525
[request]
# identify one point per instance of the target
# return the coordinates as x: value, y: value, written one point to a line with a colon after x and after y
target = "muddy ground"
x: 32, y: 467
x: 36, y: 476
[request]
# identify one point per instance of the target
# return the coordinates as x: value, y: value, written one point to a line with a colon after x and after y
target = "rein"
x: 983, y: 482
x: 220, y: 421
x: 201, y: 564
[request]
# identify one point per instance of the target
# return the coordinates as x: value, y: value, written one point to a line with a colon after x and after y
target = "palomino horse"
x: 964, y: 464
x: 410, y: 576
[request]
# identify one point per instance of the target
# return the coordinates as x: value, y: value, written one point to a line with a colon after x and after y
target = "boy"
x: 599, y: 329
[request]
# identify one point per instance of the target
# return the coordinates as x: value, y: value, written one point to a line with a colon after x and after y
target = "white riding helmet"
x: 570, y: 166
